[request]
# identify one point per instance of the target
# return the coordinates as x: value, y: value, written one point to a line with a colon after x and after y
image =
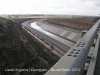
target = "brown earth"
x: 74, y: 23
x: 18, y: 49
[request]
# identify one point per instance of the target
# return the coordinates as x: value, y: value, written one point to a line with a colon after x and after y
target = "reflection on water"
x: 66, y: 42
x: 41, y: 30
x: 37, y: 27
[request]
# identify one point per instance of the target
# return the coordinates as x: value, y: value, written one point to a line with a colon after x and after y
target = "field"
x: 74, y: 23
x: 41, y: 16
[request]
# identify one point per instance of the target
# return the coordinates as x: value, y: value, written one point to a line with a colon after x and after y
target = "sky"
x: 65, y: 7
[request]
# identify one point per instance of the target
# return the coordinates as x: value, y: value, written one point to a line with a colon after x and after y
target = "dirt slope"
x: 19, y: 50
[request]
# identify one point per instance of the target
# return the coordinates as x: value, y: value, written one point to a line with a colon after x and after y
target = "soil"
x: 19, y: 50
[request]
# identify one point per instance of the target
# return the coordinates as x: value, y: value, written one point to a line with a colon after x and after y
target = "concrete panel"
x: 60, y: 31
x: 42, y: 26
x: 49, y: 27
x: 63, y: 33
x: 45, y: 26
x: 56, y: 30
x: 67, y: 34
x: 72, y: 35
x: 76, y: 38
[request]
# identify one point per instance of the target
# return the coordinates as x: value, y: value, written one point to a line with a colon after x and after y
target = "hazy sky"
x: 69, y: 7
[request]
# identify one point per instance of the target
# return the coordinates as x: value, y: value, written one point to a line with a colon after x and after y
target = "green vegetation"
x: 43, y: 16
x: 36, y: 16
